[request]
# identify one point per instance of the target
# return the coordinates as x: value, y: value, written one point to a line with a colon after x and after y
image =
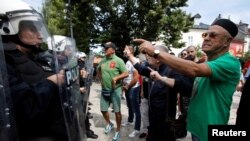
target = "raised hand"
x: 145, y: 46
x: 154, y: 74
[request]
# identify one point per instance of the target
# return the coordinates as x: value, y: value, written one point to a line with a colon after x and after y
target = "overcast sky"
x: 37, y: 4
x: 208, y: 9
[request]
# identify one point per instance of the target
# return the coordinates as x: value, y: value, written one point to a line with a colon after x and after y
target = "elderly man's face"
x: 152, y: 61
x: 215, y: 40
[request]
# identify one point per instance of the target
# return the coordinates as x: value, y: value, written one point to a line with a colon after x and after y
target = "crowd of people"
x: 47, y: 92
x: 201, y: 87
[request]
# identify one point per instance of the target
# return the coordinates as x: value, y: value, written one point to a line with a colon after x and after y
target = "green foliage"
x: 54, y: 16
x: 119, y: 21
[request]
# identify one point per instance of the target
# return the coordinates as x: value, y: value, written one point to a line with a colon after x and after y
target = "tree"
x: 53, y: 12
x: 122, y: 20
x: 85, y: 32
x: 119, y: 21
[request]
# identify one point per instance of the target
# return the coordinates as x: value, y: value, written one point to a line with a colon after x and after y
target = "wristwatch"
x: 156, y: 53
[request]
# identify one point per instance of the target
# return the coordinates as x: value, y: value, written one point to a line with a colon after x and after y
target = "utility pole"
x: 70, y: 20
x: 68, y: 11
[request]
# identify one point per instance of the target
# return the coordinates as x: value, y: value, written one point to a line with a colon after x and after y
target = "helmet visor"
x: 30, y: 28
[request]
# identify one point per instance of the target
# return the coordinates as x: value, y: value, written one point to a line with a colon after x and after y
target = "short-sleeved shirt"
x: 130, y: 68
x: 111, y: 67
x: 212, y: 96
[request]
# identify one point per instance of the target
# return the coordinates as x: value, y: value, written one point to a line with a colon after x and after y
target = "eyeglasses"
x: 209, y: 34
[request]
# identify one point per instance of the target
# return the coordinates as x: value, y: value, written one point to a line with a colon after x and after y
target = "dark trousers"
x: 87, y: 124
x: 133, y: 103
x: 156, y: 132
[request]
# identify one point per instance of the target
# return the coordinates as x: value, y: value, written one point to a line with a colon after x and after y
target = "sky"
x: 237, y: 10
x: 37, y: 4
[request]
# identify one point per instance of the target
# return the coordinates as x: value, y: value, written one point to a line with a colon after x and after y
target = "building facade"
x: 238, y: 47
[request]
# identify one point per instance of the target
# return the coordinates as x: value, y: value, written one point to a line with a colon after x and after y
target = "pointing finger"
x: 150, y: 69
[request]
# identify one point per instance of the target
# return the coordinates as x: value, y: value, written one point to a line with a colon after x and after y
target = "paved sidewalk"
x: 98, y: 122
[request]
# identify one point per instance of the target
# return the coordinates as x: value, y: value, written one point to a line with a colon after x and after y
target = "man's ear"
x: 227, y: 42
x: 229, y: 39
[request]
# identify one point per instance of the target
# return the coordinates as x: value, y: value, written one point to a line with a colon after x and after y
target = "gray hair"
x: 162, y: 48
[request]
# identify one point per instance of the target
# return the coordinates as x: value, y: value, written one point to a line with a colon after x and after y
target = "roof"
x: 201, y: 26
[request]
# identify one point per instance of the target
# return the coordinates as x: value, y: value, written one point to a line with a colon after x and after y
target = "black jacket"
x: 36, y: 100
x: 159, y: 91
x: 243, y: 117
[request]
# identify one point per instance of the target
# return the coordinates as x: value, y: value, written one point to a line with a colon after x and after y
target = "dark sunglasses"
x: 209, y: 34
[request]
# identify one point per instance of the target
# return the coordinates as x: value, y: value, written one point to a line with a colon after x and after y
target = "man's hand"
x: 84, y: 73
x: 127, y: 52
x: 145, y: 47
x: 154, y: 74
x: 125, y: 87
x: 114, y: 82
x: 82, y: 90
x: 58, y: 79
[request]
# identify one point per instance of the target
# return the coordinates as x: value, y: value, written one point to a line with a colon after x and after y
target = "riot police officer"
x: 32, y: 81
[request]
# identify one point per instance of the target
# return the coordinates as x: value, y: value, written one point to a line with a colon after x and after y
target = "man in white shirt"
x: 131, y: 87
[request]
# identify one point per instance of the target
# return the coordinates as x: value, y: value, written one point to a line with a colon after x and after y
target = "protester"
x: 215, y: 81
x: 144, y: 106
x: 192, y: 53
x: 132, y: 92
x: 162, y: 99
x: 242, y: 118
x: 183, y: 54
x: 246, y: 66
x: 145, y: 88
x: 111, y: 70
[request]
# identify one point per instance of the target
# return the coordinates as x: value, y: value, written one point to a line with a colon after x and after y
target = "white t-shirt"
x: 130, y: 68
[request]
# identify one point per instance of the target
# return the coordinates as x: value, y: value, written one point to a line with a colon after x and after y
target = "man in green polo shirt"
x: 111, y: 70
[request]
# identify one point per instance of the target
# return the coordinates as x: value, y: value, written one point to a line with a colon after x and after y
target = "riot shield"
x: 7, y: 122
x: 88, y: 80
x: 71, y: 98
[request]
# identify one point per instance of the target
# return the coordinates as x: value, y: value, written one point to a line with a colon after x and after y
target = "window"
x: 190, y: 40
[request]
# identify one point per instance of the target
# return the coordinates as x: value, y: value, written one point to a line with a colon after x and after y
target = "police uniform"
x: 36, y: 100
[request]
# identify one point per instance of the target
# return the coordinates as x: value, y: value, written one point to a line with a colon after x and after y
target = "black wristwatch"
x: 156, y: 53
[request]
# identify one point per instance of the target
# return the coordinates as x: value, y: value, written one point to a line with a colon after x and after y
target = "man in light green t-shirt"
x: 215, y: 81
x: 111, y: 70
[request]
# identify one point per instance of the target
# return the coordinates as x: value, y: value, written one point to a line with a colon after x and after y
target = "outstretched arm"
x: 186, y: 67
